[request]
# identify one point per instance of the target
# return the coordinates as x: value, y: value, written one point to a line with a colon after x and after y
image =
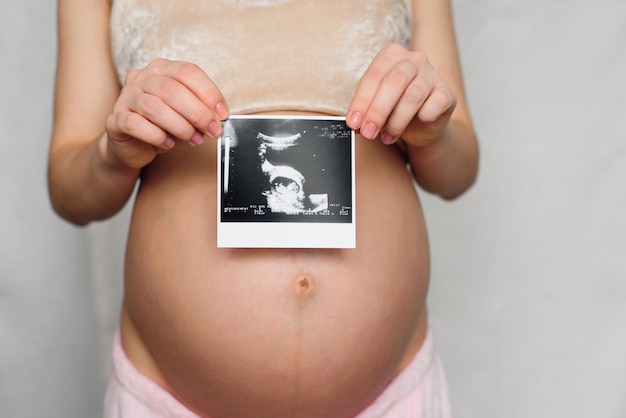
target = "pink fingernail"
x: 197, y: 138
x: 369, y: 130
x: 215, y: 129
x: 387, y: 139
x: 355, y: 120
x: 169, y: 143
x: 222, y: 110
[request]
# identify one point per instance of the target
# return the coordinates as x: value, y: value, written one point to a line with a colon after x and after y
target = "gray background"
x: 529, y: 294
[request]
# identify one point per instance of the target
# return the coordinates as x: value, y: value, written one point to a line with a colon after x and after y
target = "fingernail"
x: 222, y: 110
x: 387, y: 139
x: 355, y: 120
x: 197, y: 138
x: 215, y: 129
x: 369, y: 130
x: 169, y: 143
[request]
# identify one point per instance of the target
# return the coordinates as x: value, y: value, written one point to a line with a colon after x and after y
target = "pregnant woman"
x: 142, y: 90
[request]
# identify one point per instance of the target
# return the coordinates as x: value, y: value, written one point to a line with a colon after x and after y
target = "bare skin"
x: 233, y: 332
x: 279, y: 327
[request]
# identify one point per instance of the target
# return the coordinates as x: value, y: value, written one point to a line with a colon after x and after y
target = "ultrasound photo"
x: 291, y: 175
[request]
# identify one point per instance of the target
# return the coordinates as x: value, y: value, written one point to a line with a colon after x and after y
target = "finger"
x: 432, y: 117
x: 367, y: 88
x: 409, y: 104
x: 178, y: 98
x: 389, y: 94
x: 197, y: 81
x: 441, y: 102
x: 165, y: 117
x: 131, y: 76
x: 128, y: 125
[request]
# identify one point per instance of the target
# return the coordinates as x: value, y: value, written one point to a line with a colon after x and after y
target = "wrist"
x: 109, y: 162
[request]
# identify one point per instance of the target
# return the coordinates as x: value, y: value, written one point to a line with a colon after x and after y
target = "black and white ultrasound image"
x: 286, y: 170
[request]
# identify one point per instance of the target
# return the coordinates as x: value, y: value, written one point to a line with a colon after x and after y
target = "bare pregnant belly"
x: 273, y: 332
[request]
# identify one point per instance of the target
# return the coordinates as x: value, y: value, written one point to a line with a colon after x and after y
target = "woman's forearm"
x: 84, y: 186
x: 448, y: 166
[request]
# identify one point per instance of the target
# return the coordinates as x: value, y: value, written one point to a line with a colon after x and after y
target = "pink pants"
x: 419, y: 391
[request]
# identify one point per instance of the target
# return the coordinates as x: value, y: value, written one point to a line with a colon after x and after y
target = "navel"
x: 304, y: 286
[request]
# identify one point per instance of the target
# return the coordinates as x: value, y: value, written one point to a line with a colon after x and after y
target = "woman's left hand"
x: 401, y: 95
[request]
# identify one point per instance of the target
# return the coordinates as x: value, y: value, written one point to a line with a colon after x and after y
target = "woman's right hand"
x: 164, y: 103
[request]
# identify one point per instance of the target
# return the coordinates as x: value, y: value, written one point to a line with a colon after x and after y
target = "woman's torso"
x: 269, y: 332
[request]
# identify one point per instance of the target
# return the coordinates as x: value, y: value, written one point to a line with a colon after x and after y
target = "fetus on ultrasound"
x: 285, y: 190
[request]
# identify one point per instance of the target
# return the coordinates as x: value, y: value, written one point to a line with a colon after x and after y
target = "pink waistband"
x: 131, y: 394
x: 411, y: 393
